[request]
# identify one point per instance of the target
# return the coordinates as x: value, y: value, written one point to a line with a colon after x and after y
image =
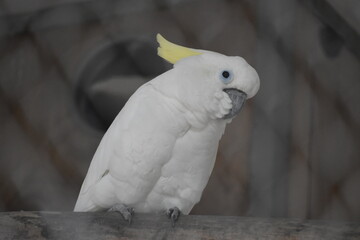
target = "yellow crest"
x: 172, y: 52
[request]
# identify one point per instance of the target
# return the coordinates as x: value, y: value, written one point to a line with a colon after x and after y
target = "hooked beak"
x: 237, y: 98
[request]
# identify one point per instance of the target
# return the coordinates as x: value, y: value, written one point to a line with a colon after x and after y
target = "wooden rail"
x: 101, y: 225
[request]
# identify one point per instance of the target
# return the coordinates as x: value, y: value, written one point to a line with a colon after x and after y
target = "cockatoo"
x: 159, y: 152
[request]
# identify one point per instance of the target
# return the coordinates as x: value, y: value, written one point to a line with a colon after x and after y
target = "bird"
x: 159, y: 152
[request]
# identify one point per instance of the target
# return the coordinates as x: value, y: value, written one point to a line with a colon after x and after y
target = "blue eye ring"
x: 226, y: 76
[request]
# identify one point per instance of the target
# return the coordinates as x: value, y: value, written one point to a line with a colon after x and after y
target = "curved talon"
x: 131, y: 211
x: 126, y: 212
x: 173, y: 214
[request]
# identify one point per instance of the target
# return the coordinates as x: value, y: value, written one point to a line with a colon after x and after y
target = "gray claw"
x: 126, y: 212
x: 173, y: 214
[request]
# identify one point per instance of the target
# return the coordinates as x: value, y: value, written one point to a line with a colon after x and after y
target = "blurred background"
x: 68, y: 66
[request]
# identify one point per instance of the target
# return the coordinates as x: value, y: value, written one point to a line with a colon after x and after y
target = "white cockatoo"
x: 159, y: 152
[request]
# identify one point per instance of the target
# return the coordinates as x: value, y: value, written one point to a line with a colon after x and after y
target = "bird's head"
x: 210, y: 81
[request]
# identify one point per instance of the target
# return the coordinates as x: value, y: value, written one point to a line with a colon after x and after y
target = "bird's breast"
x: 185, y: 176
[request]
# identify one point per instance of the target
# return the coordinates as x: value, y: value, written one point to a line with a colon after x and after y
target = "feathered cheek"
x: 219, y: 105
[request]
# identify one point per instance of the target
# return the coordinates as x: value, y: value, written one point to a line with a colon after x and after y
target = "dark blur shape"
x: 112, y: 75
x: 331, y: 42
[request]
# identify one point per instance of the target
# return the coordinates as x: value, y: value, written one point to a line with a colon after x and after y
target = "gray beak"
x: 237, y: 98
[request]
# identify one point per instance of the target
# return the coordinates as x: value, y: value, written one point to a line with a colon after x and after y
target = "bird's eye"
x: 226, y: 76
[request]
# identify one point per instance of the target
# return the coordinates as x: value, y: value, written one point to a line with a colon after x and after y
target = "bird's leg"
x: 173, y: 214
x: 126, y: 212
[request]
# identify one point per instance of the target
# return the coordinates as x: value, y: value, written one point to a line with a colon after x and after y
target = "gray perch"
x: 103, y: 225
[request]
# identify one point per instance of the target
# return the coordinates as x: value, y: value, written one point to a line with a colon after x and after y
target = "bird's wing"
x: 131, y: 154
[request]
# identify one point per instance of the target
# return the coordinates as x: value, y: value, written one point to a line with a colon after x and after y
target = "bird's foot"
x: 173, y: 214
x: 126, y: 212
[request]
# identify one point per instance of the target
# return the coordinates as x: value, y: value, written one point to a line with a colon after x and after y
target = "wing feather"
x: 128, y: 161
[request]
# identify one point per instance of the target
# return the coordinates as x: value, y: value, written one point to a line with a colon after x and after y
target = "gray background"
x: 68, y: 66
